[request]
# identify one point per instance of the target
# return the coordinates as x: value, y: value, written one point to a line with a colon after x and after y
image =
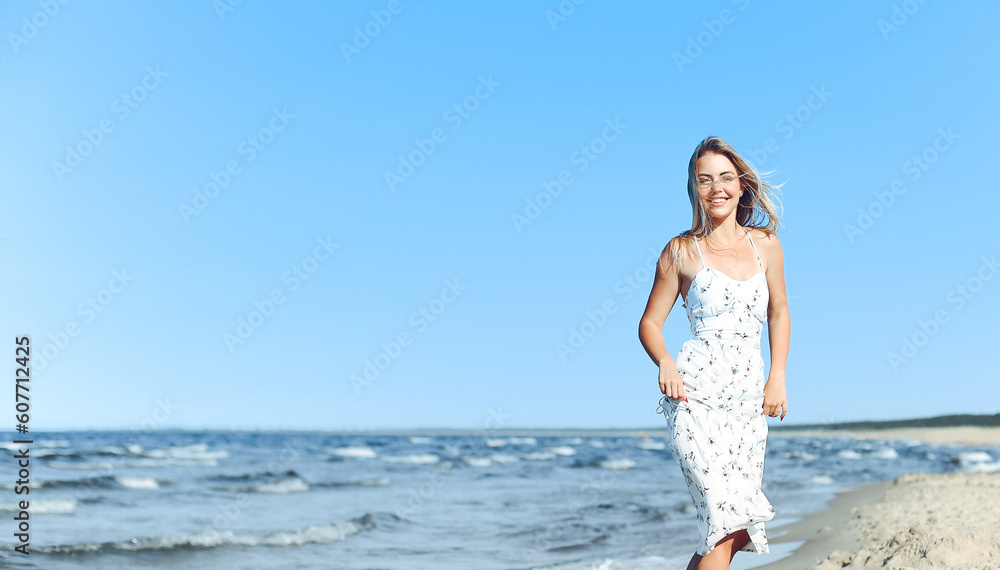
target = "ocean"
x: 545, y: 500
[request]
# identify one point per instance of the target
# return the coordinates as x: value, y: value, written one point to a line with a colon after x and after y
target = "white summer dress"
x: 718, y: 436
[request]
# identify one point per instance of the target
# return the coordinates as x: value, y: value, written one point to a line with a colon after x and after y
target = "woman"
x: 729, y: 269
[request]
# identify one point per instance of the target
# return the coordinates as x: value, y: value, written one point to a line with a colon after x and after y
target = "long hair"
x: 757, y: 208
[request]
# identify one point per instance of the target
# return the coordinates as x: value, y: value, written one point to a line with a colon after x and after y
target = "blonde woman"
x: 729, y: 270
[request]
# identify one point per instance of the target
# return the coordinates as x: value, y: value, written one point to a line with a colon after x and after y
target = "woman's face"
x: 718, y: 185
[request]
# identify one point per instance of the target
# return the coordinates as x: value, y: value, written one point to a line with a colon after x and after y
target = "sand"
x: 941, y: 521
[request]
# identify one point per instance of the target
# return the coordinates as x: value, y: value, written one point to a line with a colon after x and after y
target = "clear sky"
x: 360, y: 215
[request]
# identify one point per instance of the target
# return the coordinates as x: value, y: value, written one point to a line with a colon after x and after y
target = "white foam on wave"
x: 211, y: 538
x: 976, y: 461
x: 137, y: 482
x: 617, y: 464
x: 504, y: 458
x: 356, y: 452
x: 417, y: 458
x: 848, y: 454
x: 197, y: 451
x: 820, y: 480
x: 885, y: 453
x: 522, y: 441
x: 798, y: 454
x: 42, y: 507
x: 595, y: 443
x: 81, y: 465
x: 538, y: 456
x: 477, y: 461
x: 495, y: 443
x: 575, y: 441
x: 48, y: 452
x: 419, y: 439
x: 563, y: 450
x: 282, y: 487
x: 651, y: 445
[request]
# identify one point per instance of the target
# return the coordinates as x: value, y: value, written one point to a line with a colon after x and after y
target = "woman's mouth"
x: 718, y: 201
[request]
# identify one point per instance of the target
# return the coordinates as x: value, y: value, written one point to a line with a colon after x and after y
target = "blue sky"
x: 217, y: 218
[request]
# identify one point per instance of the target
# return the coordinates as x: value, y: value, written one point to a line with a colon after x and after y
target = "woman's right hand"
x: 671, y: 383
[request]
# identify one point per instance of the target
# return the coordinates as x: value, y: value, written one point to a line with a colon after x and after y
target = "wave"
x: 197, y: 451
x: 136, y: 462
x: 380, y: 482
x: 356, y: 452
x: 282, y: 486
x: 885, y: 453
x: 107, y: 482
x: 848, y: 454
x: 799, y: 454
x: 252, y: 476
x: 819, y: 480
x: 976, y: 461
x: 503, y: 458
x: 616, y: 464
x: 137, y: 482
x: 214, y: 539
x: 500, y: 442
x: 477, y: 461
x: 418, y: 458
x: 651, y: 445
x: 419, y: 439
x: 539, y: 456
x: 42, y: 507
x: 563, y: 450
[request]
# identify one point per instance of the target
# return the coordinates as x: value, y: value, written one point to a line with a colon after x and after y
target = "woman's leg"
x: 723, y: 553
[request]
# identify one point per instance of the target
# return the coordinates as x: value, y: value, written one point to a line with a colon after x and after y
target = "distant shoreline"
x: 959, y: 420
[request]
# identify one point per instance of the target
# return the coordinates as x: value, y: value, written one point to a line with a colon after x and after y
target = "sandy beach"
x: 949, y: 520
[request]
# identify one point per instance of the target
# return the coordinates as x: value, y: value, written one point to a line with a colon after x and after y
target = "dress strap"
x: 754, y: 250
x: 699, y: 252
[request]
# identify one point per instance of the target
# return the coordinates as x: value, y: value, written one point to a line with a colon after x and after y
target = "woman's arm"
x: 666, y: 287
x: 779, y: 330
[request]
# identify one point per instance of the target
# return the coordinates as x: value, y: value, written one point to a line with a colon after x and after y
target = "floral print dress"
x: 718, y: 436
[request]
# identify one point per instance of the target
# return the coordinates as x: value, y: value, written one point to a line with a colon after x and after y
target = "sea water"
x: 206, y: 500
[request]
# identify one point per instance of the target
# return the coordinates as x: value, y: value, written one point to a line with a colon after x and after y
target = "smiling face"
x: 718, y: 185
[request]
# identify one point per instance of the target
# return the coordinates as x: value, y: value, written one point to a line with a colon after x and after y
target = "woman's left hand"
x: 774, y: 399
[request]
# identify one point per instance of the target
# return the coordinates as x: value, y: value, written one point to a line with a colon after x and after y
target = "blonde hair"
x: 757, y: 208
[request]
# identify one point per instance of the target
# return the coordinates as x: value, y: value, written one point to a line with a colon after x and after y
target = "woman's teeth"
x: 718, y: 201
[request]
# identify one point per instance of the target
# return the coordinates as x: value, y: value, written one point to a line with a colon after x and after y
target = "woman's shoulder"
x: 677, y: 250
x: 763, y: 236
